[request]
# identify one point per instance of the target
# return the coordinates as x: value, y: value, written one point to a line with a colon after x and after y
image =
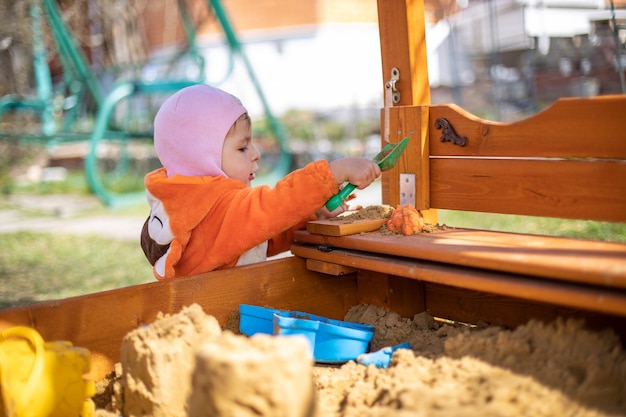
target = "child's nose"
x: 256, y: 155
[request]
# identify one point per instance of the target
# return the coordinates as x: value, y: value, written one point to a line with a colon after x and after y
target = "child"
x: 204, y: 212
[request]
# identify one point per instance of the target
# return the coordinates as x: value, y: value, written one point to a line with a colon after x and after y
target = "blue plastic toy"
x: 381, y: 358
x: 331, y: 341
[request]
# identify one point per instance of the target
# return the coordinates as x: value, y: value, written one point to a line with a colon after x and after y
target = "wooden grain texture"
x: 568, y: 161
x: 569, y: 189
x: 602, y: 299
x: 402, y: 31
x: 591, y: 127
x: 328, y: 268
x: 550, y: 258
x: 402, y: 296
x: 472, y: 306
x: 100, y: 321
x: 343, y: 227
x: 405, y: 122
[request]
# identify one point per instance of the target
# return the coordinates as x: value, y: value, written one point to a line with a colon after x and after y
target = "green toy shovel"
x: 386, y: 159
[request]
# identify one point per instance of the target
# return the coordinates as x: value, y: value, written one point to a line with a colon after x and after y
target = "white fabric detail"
x: 254, y: 255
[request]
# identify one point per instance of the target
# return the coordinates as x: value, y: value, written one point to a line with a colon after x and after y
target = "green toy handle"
x: 336, y: 200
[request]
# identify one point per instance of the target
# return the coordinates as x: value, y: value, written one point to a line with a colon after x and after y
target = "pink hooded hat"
x: 190, y: 128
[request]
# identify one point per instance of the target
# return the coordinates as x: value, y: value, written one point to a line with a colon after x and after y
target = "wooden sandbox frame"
x: 568, y: 161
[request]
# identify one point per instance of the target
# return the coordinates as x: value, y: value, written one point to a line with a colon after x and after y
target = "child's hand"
x: 357, y: 171
x: 323, y: 213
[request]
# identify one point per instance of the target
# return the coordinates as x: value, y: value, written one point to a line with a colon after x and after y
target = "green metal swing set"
x: 81, y: 83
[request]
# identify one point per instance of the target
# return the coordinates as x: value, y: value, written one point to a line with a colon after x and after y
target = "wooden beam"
x: 600, y: 298
x: 328, y: 268
x: 402, y: 29
x: 573, y: 127
x: 473, y: 307
x: 578, y: 261
x: 411, y: 122
x: 100, y: 321
x: 567, y: 189
x: 402, y: 296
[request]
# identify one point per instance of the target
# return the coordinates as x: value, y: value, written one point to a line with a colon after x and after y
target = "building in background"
x: 507, y: 59
x: 312, y: 54
x: 503, y: 59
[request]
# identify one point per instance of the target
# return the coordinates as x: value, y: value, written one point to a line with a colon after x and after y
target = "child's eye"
x: 245, y: 148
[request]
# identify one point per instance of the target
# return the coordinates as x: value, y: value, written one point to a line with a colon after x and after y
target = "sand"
x: 383, y: 212
x: 554, y: 369
x: 539, y: 369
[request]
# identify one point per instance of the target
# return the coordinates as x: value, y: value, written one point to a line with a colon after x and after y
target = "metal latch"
x: 392, y: 96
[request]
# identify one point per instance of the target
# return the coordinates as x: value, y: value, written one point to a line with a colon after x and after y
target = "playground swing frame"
x: 80, y: 78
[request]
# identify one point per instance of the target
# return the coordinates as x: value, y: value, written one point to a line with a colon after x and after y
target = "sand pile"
x: 554, y: 369
x: 538, y: 369
x: 185, y: 365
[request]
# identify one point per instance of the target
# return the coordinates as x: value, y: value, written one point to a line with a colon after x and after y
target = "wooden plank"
x: 373, y: 288
x: 328, y: 268
x: 592, y: 127
x: 473, y: 307
x: 402, y: 296
x: 408, y: 297
x: 550, y: 258
x: 605, y: 300
x: 411, y: 122
x: 343, y: 227
x: 100, y: 321
x: 574, y: 189
x: 402, y: 30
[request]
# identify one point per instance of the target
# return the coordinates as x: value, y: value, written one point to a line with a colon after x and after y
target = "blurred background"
x: 309, y: 72
x: 81, y: 80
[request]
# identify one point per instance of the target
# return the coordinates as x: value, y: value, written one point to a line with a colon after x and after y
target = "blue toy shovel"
x: 386, y: 159
x: 381, y: 358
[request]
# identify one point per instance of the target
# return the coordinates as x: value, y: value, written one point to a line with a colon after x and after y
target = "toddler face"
x: 239, y: 155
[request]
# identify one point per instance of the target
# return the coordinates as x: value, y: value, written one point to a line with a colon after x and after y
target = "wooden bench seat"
x: 568, y: 162
x: 586, y: 262
x: 567, y: 272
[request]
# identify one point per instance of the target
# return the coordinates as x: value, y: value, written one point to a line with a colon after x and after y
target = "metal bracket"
x: 448, y: 134
x: 391, y: 85
x: 392, y: 96
x: 407, y: 189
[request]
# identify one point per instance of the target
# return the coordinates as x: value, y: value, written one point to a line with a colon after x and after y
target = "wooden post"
x: 402, y: 30
x: 414, y: 186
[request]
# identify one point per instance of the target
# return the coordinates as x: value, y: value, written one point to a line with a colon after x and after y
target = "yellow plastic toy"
x: 43, y: 379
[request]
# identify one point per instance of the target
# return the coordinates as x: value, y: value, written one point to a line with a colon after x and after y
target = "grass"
x: 36, y: 267
x: 75, y: 182
x: 580, y: 229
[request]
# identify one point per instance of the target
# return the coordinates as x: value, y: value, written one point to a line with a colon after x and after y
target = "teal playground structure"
x: 112, y: 110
